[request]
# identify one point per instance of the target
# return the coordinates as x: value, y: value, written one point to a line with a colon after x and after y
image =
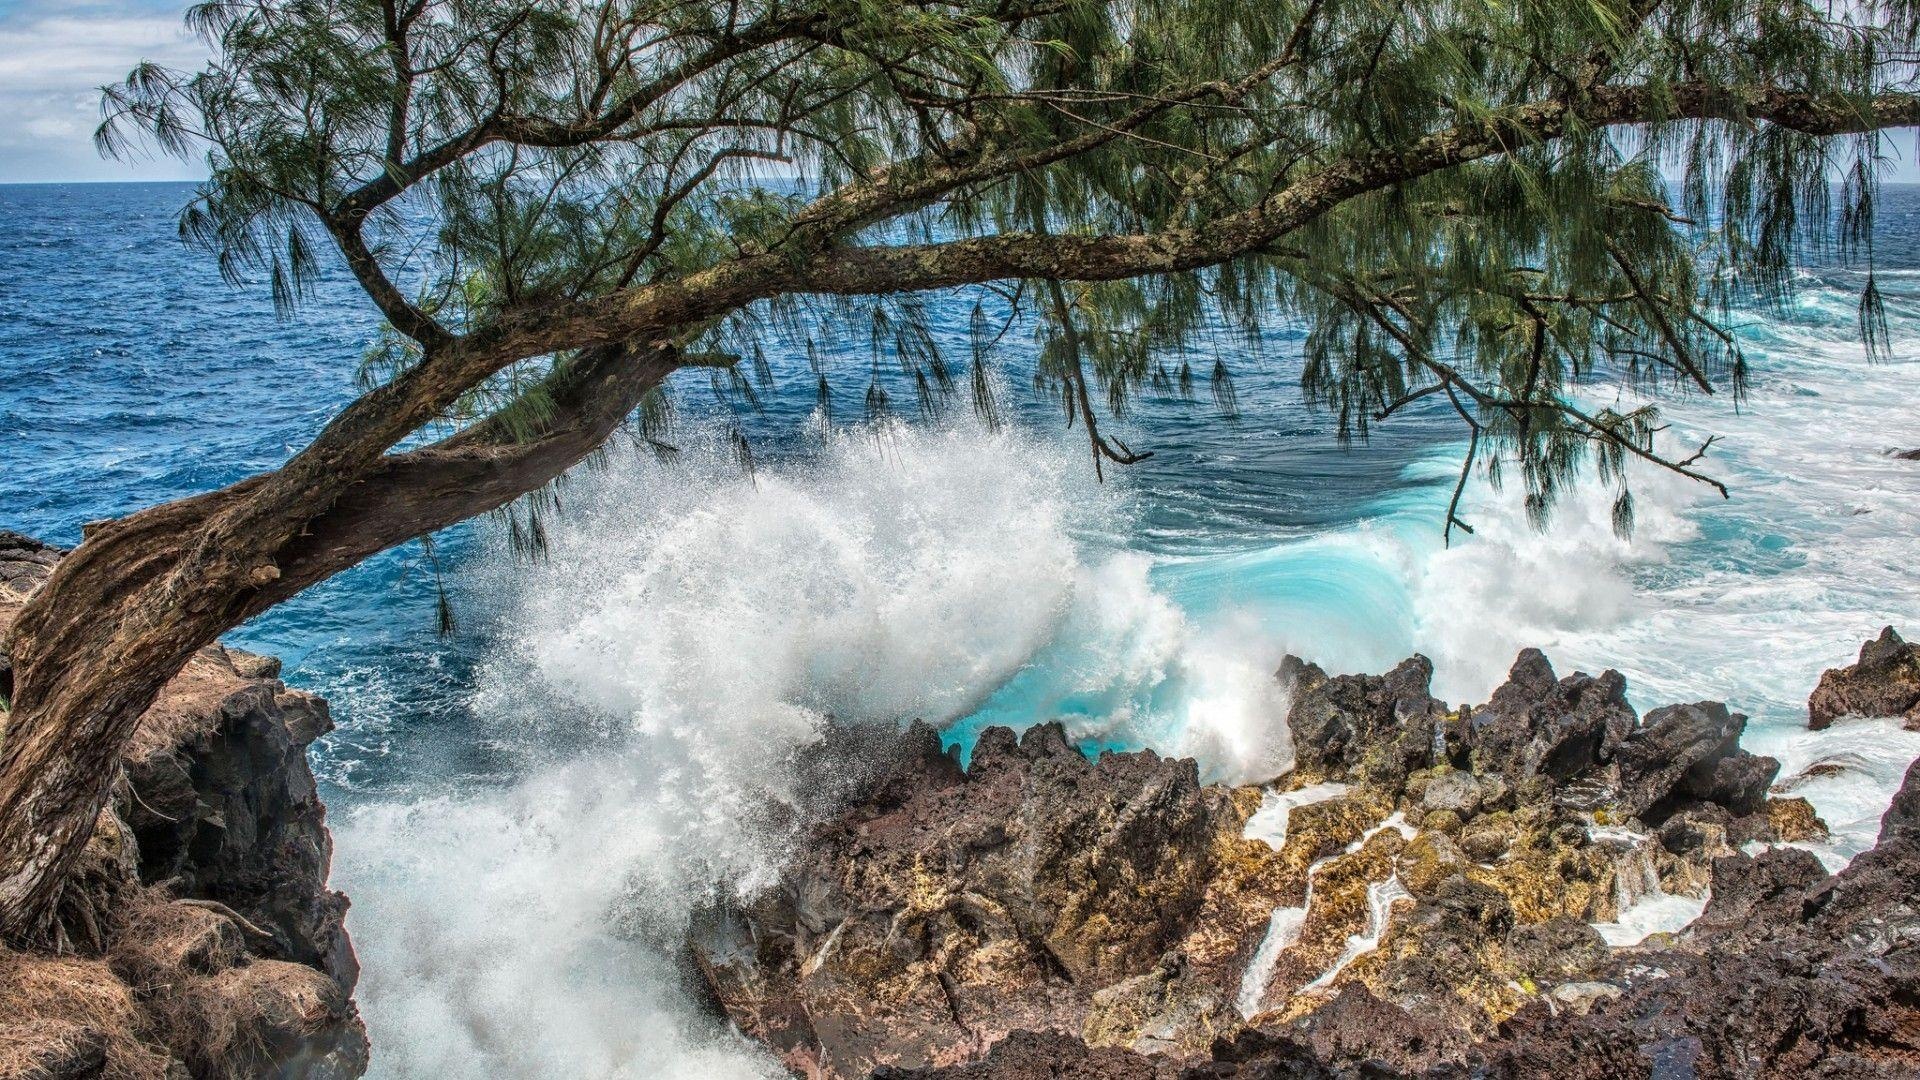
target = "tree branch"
x: 475, y: 471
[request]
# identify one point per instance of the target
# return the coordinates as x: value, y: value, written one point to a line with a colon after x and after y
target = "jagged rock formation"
x: 1035, y: 889
x: 1423, y: 904
x: 1884, y: 682
x: 205, y: 941
x: 1525, y: 820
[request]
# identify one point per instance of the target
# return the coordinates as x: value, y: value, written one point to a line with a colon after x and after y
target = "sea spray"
x: 687, y: 635
x: 491, y: 940
x: 688, y: 632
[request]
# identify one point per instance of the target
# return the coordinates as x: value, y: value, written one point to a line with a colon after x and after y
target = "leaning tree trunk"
x: 89, y: 653
x: 125, y: 611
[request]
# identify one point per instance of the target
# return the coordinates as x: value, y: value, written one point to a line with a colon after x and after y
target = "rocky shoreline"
x: 1543, y: 884
x: 1429, y: 892
x: 204, y: 939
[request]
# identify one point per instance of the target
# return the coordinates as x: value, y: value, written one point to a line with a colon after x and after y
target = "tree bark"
x: 125, y: 610
x: 86, y: 664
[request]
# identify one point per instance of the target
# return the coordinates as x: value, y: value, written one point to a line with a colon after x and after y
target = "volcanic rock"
x: 1378, y: 728
x: 1902, y: 819
x: 1009, y: 896
x: 1031, y: 1055
x: 1691, y: 751
x: 1540, y: 727
x: 1793, y: 820
x: 1790, y: 973
x: 1885, y: 681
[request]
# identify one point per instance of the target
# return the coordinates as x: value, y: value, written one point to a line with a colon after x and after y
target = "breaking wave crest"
x: 659, y: 673
x: 658, y: 676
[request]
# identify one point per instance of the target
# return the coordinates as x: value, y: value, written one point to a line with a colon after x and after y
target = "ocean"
x: 526, y: 809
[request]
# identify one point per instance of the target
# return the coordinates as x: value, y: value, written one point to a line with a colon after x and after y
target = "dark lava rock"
x: 1884, y: 682
x: 925, y: 927
x: 1902, y: 819
x: 1030, y: 1055
x: 1755, y: 898
x: 1373, y: 727
x: 1691, y: 751
x: 1354, y: 1035
x: 1573, y: 741
x: 225, y: 808
x: 1537, y: 726
x: 1577, y: 743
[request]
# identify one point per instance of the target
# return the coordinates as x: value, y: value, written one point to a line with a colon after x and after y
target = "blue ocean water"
x: 130, y: 374
x: 526, y: 809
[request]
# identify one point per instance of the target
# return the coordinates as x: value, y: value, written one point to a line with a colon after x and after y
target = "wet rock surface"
x: 1429, y: 900
x: 1036, y: 889
x: 208, y: 944
x: 1885, y: 681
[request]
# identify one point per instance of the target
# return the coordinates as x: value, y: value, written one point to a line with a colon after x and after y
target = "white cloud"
x: 53, y: 127
x: 51, y: 68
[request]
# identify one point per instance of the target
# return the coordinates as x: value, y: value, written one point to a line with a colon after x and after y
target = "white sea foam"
x: 1381, y: 896
x: 1283, y: 930
x: 1269, y: 822
x: 690, y: 630
x: 693, y: 629
x: 1654, y: 913
x: 488, y: 926
x: 1644, y: 906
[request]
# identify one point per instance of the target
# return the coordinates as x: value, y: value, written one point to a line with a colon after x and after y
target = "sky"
x: 56, y: 54
x: 54, y: 57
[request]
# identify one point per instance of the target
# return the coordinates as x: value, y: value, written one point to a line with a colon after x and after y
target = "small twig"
x: 1700, y: 453
x: 1125, y: 134
x: 135, y: 792
x: 1659, y: 208
x: 246, y: 925
x: 1466, y: 470
x: 1409, y: 399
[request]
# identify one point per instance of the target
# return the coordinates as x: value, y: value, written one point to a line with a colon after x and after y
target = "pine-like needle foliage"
x: 1464, y: 201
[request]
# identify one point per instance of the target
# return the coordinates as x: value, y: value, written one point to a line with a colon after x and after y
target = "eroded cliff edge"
x: 1430, y: 892
x: 202, y: 938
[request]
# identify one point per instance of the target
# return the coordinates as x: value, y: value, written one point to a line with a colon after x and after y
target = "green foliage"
x: 506, y: 156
